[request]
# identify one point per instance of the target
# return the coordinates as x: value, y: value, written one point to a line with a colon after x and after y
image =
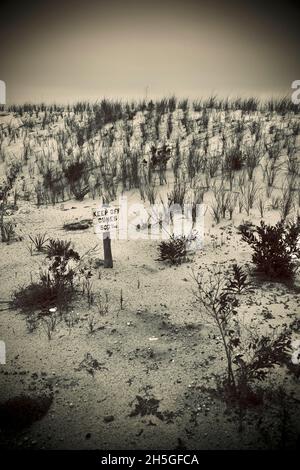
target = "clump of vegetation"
x: 75, y: 175
x: 174, y: 249
x: 245, y: 225
x: 40, y: 296
x: 177, y: 195
x: 276, y: 248
x: 63, y: 261
x: 39, y: 241
x: 83, y: 224
x: 146, y: 406
x: 7, y: 228
x: 55, y: 287
x: 8, y: 232
x: 62, y: 248
x: 234, y: 159
x: 91, y: 365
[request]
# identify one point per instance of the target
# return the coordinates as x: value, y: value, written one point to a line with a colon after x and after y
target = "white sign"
x: 106, y: 219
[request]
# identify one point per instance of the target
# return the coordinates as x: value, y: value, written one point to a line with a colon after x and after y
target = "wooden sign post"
x: 106, y: 219
x: 108, y: 260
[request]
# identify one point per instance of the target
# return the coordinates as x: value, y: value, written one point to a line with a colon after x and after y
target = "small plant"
x: 39, y: 241
x: 252, y: 157
x: 71, y: 318
x: 177, y: 195
x: 271, y: 169
x: 92, y: 322
x: 62, y: 248
x: 293, y: 164
x: 63, y: 261
x: 32, y: 322
x: 197, y: 197
x: 121, y: 300
x: 275, y: 202
x: 287, y: 199
x: 276, y: 248
x: 262, y: 205
x: 148, y: 188
x: 219, y: 202
x: 212, y: 165
x: 50, y: 322
x: 231, y: 200
x: 102, y: 305
x: 87, y: 283
x: 90, y: 365
x: 248, y: 194
x: 8, y: 232
x: 173, y: 250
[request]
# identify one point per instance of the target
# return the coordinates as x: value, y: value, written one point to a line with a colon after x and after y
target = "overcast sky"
x: 63, y: 51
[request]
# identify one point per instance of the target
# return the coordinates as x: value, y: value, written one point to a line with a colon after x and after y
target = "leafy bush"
x: 56, y: 284
x: 249, y: 356
x: 276, y: 248
x: 173, y: 250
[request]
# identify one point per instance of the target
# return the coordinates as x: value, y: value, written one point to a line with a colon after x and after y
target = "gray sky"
x: 63, y: 51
